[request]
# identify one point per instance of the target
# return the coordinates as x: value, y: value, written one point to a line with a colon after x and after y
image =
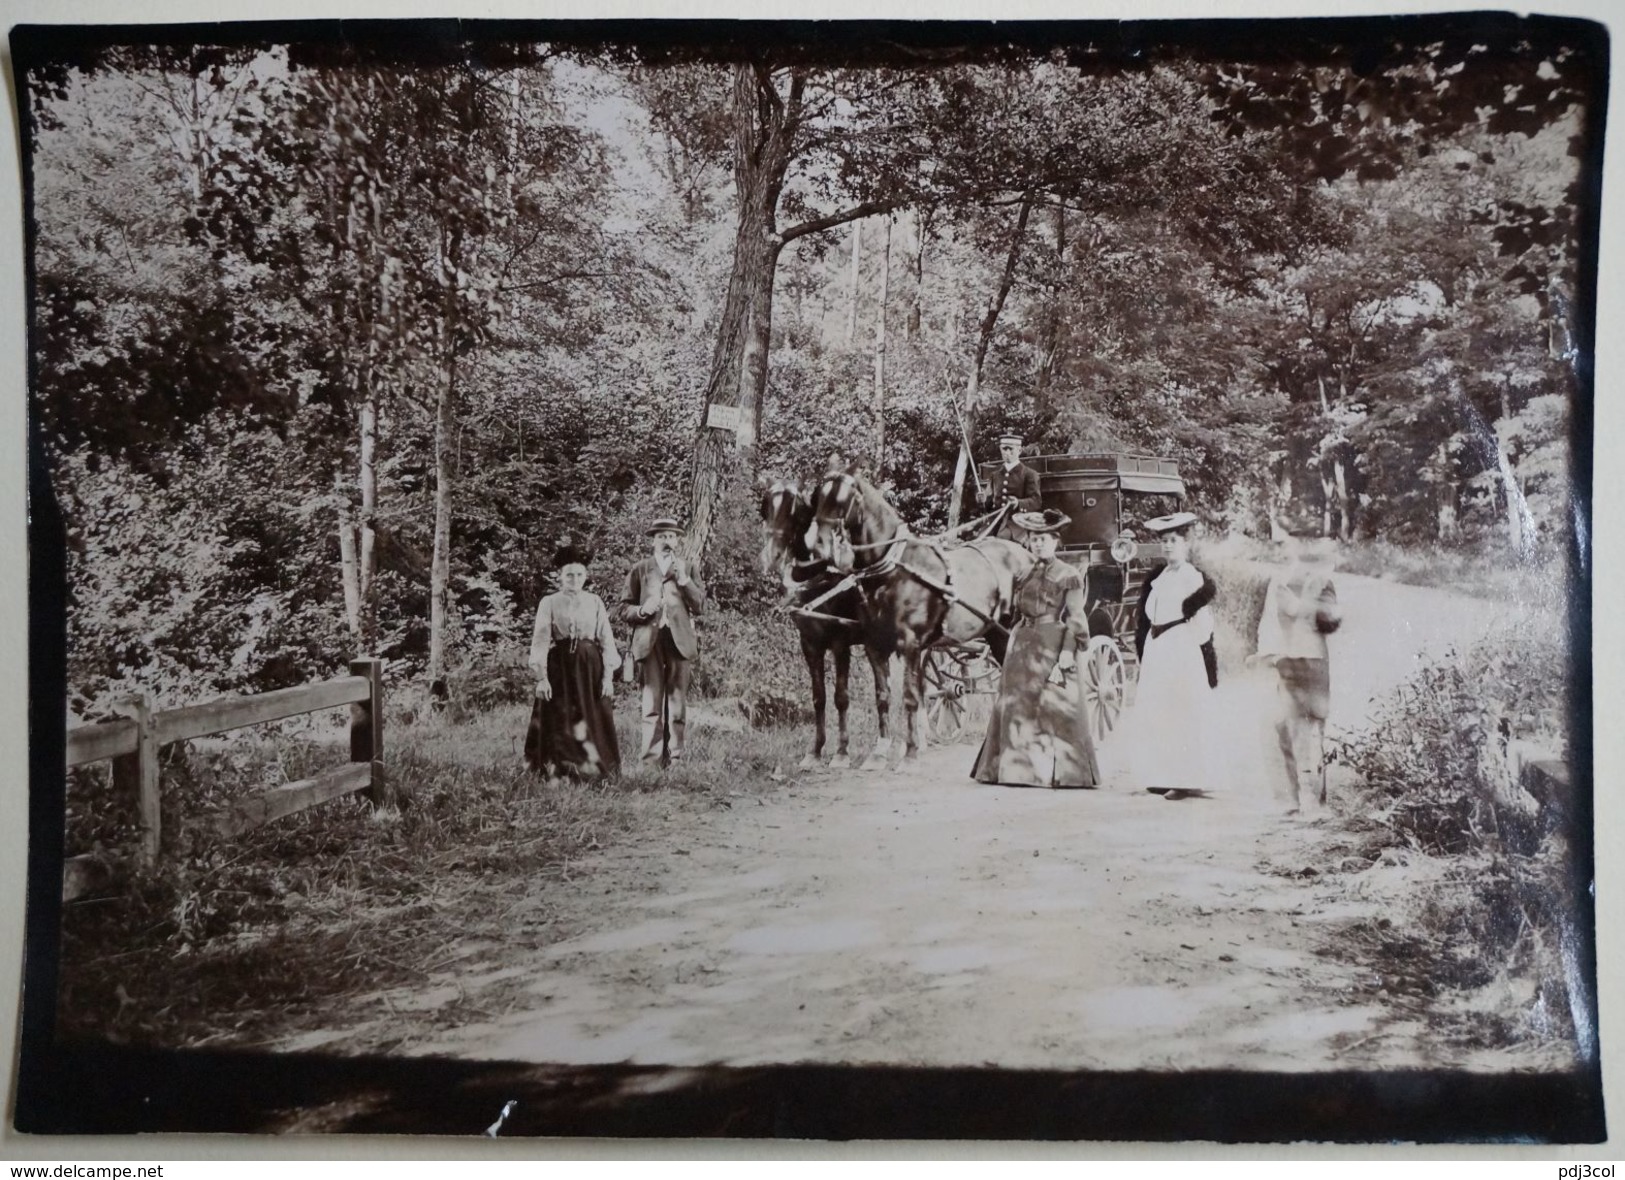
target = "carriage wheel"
x: 945, y: 688
x: 951, y: 675
x: 1105, y: 685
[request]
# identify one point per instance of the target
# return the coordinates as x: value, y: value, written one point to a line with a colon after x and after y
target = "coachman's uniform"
x: 1020, y: 482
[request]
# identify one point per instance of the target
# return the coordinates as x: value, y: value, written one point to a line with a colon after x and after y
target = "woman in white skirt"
x: 1172, y: 716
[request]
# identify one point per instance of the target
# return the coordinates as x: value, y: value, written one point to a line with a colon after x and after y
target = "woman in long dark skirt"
x: 573, y: 657
x: 1038, y: 735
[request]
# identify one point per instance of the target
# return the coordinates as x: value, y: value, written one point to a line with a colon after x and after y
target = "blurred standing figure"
x: 1300, y: 610
x: 1015, y: 484
x: 1038, y: 735
x: 1179, y: 668
x: 660, y: 600
x: 573, y: 658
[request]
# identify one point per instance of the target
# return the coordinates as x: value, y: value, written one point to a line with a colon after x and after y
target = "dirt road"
x: 917, y: 917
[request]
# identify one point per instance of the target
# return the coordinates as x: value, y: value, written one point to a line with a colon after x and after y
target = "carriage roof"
x: 1110, y: 471
x: 1074, y: 483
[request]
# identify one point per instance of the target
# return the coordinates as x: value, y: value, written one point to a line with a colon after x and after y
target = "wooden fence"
x: 134, y: 742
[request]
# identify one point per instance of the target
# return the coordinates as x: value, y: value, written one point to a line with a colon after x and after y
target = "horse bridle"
x: 845, y: 493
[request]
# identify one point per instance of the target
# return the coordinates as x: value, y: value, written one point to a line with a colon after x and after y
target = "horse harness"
x: 892, y: 560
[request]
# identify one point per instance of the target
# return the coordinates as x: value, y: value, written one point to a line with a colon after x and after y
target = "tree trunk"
x: 1280, y: 498
x: 1050, y: 342
x: 440, y: 565
x: 1448, y: 497
x: 1340, y: 478
x: 349, y: 570
x: 984, y: 340
x: 1327, y: 491
x: 880, y: 357
x: 367, y: 479
x: 852, y: 293
x: 1518, y: 519
x: 763, y: 130
x: 449, y: 262
x: 765, y: 123
x: 918, y: 303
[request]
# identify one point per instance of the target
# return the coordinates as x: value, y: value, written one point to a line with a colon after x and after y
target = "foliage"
x: 1338, y: 297
x: 1434, y: 760
x: 1434, y: 782
x: 756, y: 662
x: 195, y: 581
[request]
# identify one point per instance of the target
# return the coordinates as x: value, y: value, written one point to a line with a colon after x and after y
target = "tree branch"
x: 819, y: 224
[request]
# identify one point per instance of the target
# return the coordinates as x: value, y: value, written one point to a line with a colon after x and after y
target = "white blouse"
x: 566, y: 617
x: 1166, y: 602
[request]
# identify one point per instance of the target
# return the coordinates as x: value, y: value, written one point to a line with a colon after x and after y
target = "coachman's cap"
x: 1010, y: 436
x: 664, y: 524
x: 1047, y: 521
x: 1172, y: 523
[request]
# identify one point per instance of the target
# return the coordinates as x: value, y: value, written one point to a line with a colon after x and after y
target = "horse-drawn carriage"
x: 941, y: 595
x: 1104, y: 495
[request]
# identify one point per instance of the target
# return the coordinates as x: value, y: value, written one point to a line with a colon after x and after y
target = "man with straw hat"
x: 660, y: 600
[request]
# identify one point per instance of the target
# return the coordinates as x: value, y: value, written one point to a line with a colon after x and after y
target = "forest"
x: 334, y: 343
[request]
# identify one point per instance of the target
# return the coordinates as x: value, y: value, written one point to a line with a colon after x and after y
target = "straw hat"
x: 1047, y: 521
x: 1172, y: 523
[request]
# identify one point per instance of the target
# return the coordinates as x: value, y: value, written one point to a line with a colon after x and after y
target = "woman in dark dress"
x: 1038, y: 735
x: 573, y: 658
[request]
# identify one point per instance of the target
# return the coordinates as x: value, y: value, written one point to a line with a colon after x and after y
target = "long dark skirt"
x: 1037, y: 736
x: 574, y: 732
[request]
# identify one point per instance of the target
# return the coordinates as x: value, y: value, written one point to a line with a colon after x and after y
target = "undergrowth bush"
x: 1433, y: 762
x: 1433, y: 777
x: 757, y: 662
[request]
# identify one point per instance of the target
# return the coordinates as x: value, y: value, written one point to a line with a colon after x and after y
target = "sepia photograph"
x: 919, y: 580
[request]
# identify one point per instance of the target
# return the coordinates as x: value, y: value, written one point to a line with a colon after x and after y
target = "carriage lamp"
x: 1124, y: 549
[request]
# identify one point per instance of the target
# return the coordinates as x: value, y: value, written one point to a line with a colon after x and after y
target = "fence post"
x: 137, y: 774
x: 367, y: 729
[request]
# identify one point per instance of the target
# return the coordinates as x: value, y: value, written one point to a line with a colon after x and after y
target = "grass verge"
x: 310, y: 921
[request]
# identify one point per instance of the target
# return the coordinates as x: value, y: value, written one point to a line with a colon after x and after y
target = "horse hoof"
x: 841, y: 762
x: 876, y: 762
x: 808, y: 762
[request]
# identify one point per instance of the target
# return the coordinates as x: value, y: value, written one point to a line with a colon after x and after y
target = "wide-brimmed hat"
x: 663, y: 524
x: 1172, y: 523
x: 1047, y: 521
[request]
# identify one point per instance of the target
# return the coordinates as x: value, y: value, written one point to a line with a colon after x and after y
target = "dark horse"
x: 919, y: 593
x: 834, y: 624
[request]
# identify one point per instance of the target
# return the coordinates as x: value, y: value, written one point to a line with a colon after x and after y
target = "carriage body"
x: 1105, y: 495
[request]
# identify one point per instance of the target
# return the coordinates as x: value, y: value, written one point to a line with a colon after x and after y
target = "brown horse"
x: 835, y: 622
x: 920, y: 593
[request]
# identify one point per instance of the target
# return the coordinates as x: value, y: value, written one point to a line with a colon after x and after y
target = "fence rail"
x: 133, y: 744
